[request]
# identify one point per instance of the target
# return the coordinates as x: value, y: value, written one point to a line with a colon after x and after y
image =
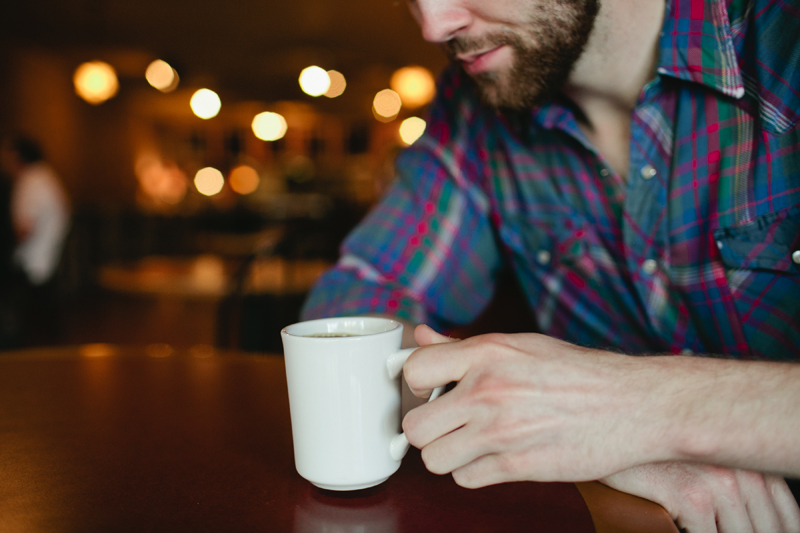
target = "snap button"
x: 543, y: 257
x: 796, y: 257
x: 648, y: 172
x: 604, y: 172
x: 649, y: 266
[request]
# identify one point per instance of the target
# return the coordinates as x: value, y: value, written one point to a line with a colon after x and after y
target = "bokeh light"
x: 205, y: 104
x: 209, y: 181
x: 415, y: 85
x: 243, y: 179
x: 386, y: 105
x: 269, y: 126
x: 95, y: 81
x: 162, y: 76
x: 161, y: 180
x: 314, y: 81
x: 97, y: 350
x: 338, y: 84
x: 412, y: 129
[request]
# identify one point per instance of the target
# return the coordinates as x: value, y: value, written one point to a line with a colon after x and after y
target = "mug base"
x: 357, y: 486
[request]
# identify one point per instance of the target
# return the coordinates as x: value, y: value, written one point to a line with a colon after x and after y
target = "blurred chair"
x: 269, y: 288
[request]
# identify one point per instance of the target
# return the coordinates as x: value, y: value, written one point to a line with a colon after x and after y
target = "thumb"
x: 424, y: 336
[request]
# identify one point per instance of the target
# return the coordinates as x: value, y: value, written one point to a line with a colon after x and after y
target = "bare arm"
x: 731, y: 413
x: 530, y: 407
x: 634, y: 410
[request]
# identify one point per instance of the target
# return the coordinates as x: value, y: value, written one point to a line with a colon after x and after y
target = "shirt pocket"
x: 770, y: 242
x: 762, y: 265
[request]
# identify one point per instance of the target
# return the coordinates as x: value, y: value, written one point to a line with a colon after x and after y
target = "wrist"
x: 701, y: 392
x: 657, y: 406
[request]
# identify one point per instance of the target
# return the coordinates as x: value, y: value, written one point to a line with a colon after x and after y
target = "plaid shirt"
x: 698, y: 250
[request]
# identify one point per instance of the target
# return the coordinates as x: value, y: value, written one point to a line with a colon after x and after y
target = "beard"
x: 544, y: 53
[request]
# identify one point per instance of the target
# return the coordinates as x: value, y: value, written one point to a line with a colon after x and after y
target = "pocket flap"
x: 766, y: 243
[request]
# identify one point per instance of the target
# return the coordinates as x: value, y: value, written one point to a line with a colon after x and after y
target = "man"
x: 638, y: 166
x: 40, y: 219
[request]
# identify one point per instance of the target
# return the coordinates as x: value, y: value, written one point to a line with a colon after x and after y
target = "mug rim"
x: 396, y: 325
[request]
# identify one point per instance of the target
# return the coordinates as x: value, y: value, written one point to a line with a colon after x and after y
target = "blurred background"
x: 212, y: 156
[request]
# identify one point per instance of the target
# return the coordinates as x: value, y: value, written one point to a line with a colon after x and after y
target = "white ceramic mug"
x: 344, y: 399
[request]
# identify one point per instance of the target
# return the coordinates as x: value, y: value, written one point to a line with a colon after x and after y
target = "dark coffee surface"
x: 129, y: 442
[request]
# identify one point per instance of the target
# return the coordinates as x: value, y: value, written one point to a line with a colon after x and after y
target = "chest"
x: 697, y: 244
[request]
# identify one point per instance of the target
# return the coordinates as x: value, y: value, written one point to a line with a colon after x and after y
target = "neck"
x: 619, y: 60
x: 621, y: 55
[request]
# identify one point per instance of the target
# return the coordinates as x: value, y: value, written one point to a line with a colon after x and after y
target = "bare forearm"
x: 729, y: 413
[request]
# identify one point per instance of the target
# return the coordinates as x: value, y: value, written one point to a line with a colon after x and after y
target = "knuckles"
x: 433, y: 462
x: 466, y: 479
x: 700, y: 499
x: 410, y: 425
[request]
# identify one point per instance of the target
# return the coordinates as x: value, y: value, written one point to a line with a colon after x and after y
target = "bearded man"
x: 637, y: 164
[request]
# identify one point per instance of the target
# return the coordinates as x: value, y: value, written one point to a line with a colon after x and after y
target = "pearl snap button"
x: 543, y: 257
x: 604, y: 172
x: 796, y: 257
x: 648, y: 172
x: 649, y: 266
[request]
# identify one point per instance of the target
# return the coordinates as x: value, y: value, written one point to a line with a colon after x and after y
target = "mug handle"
x: 399, y: 444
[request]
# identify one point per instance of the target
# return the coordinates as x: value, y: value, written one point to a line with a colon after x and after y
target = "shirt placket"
x: 644, y: 220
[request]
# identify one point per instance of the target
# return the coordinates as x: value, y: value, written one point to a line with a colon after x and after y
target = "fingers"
x: 424, y: 336
x: 759, y: 502
x: 784, y: 502
x: 487, y: 470
x: 453, y: 451
x: 437, y: 363
x: 431, y: 421
x: 697, y: 523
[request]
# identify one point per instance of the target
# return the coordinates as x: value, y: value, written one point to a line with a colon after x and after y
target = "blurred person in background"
x: 636, y: 163
x: 9, y: 321
x: 40, y: 217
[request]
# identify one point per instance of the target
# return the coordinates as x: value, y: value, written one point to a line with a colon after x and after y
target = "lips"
x: 473, y: 56
x: 483, y: 61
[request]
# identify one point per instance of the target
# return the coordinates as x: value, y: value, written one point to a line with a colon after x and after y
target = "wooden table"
x: 103, y: 438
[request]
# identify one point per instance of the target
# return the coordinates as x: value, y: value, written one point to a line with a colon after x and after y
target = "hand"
x: 707, y: 499
x: 528, y: 407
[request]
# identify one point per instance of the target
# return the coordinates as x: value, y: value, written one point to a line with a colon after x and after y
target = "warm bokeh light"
x: 243, y: 179
x: 161, y: 180
x: 209, y: 181
x: 386, y: 105
x: 95, y: 82
x: 314, y: 81
x: 415, y: 85
x: 338, y: 84
x: 269, y: 126
x: 162, y: 76
x: 98, y: 350
x: 412, y: 129
x: 205, y: 104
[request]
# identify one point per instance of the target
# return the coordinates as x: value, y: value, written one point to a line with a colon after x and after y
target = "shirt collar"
x: 696, y: 44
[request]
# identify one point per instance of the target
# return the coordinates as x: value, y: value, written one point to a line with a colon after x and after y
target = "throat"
x: 611, y: 137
